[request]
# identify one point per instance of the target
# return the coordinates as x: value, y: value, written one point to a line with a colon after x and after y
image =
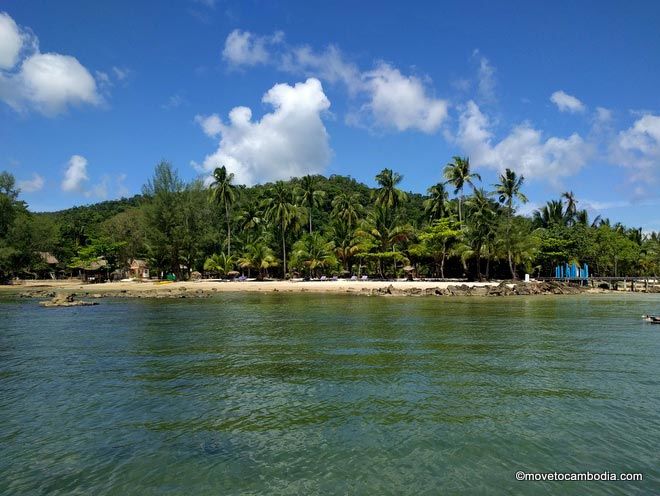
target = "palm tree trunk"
x: 478, y: 250
x: 460, y: 217
x: 310, y: 220
x: 488, y: 267
x: 228, y: 231
x: 284, y: 251
x: 442, y: 264
x: 508, y: 241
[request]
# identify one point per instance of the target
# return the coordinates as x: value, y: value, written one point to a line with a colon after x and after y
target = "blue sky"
x: 94, y: 94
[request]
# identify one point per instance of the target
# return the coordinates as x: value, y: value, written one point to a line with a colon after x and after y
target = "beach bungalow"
x: 48, y: 266
x: 139, y: 269
x: 92, y: 271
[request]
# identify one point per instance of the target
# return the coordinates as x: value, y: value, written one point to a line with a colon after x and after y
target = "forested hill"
x: 321, y: 226
x: 95, y: 212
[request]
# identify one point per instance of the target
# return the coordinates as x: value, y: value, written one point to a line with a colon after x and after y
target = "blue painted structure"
x: 572, y: 271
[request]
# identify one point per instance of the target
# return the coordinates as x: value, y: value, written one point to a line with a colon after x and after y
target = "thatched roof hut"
x: 48, y: 258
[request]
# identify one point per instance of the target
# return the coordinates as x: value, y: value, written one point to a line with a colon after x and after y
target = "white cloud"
x: 401, y: 101
x: 100, y: 189
x: 75, y: 175
x: 11, y: 41
x: 638, y: 147
x: 122, y: 189
x: 245, y: 48
x: 121, y: 73
x: 390, y: 99
x: 328, y: 65
x: 173, y: 102
x: 603, y: 115
x: 46, y: 82
x: 566, y: 102
x: 51, y: 82
x: 486, y: 78
x: 289, y: 141
x: 210, y: 124
x: 32, y: 185
x: 523, y: 149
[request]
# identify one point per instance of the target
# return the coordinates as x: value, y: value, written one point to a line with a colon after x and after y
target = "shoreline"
x: 205, y: 288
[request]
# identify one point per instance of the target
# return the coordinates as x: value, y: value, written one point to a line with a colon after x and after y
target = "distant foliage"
x: 318, y: 226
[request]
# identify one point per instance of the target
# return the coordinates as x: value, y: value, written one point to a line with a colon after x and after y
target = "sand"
x: 340, y: 286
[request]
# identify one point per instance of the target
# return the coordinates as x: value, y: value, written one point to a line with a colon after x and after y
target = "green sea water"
x: 328, y: 394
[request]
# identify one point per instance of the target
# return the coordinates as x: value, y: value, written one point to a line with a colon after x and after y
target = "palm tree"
x: 482, y: 226
x: 282, y: 211
x: 259, y: 257
x: 223, y: 192
x: 388, y: 195
x: 310, y: 196
x: 346, y: 243
x: 508, y: 189
x: 219, y: 263
x: 382, y: 232
x: 435, y: 206
x: 347, y: 208
x: 314, y: 252
x: 552, y: 213
x: 457, y: 173
x: 571, y: 205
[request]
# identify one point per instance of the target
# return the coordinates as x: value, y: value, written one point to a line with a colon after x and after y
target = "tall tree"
x: 281, y: 210
x: 508, y: 189
x: 552, y: 213
x: 388, y: 195
x: 481, y: 226
x: 571, y: 206
x: 347, y: 208
x: 435, y: 205
x: 457, y: 173
x: 223, y: 192
x: 164, y: 212
x: 310, y: 196
x: 439, y: 237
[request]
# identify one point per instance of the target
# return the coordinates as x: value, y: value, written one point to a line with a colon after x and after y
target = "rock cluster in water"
x: 66, y: 300
x: 502, y: 289
x: 165, y: 293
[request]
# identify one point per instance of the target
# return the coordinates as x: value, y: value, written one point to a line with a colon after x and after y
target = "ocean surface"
x: 328, y: 394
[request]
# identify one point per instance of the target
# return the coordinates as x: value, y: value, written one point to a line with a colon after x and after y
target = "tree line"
x: 315, y: 226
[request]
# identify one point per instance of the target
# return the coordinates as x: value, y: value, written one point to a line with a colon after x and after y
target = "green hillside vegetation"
x: 318, y: 226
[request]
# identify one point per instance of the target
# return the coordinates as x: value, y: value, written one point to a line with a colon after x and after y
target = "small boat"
x: 653, y: 319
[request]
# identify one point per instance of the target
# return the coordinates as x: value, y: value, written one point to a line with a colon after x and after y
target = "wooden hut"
x: 139, y: 269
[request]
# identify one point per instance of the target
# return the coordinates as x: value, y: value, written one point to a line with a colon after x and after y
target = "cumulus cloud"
x: 566, y: 102
x: 289, y: 141
x: 75, y: 175
x: 46, y: 82
x: 524, y: 149
x: 32, y: 185
x: 638, y: 147
x: 11, y: 41
x: 210, y: 124
x: 243, y: 48
x: 402, y: 101
x: 329, y: 65
x: 389, y: 99
x: 51, y: 82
